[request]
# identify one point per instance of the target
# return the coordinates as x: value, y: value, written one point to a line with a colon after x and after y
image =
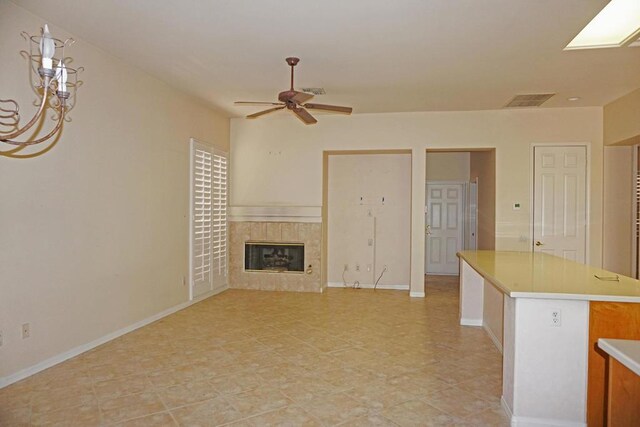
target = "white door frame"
x: 587, y: 199
x: 463, y: 187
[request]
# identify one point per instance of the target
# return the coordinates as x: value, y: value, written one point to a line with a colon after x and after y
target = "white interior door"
x: 560, y: 202
x: 444, y: 227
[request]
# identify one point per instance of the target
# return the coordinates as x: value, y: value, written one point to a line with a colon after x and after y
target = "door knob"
x: 427, y: 229
x: 539, y: 243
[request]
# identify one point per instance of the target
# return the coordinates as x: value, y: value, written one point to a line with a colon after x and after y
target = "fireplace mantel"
x: 276, y: 213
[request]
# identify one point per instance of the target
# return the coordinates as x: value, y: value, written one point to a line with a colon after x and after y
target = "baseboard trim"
x: 493, y: 337
x: 470, y: 322
x: 59, y: 358
x: 506, y: 409
x: 543, y: 422
x: 416, y: 294
x: 536, y: 422
x: 369, y: 286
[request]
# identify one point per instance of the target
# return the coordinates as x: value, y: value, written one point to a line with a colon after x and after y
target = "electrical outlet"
x: 556, y: 317
x: 26, y: 330
x: 384, y: 267
x: 357, y: 267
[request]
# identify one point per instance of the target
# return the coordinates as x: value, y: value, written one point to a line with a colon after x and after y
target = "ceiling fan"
x: 296, y: 102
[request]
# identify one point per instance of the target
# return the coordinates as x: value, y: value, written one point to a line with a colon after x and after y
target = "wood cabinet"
x: 606, y: 320
x: 623, y: 398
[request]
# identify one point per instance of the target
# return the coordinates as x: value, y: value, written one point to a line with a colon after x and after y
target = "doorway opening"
x: 459, y: 206
x: 621, y: 216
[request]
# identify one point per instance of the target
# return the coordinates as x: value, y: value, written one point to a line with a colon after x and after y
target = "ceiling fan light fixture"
x: 617, y: 24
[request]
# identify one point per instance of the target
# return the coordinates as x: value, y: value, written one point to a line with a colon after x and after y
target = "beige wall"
x: 95, y: 232
x: 451, y: 166
x: 294, y: 177
x: 622, y: 120
x: 351, y: 222
x: 618, y: 209
x: 483, y: 171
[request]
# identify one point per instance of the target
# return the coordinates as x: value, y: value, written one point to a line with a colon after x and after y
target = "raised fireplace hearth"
x: 274, y: 257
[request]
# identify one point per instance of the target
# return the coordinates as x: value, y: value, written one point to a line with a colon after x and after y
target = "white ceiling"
x: 374, y: 55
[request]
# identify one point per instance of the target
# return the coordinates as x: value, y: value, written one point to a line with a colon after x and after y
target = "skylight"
x: 616, y: 25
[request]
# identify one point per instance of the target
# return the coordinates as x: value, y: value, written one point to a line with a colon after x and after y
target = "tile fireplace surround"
x: 309, y: 233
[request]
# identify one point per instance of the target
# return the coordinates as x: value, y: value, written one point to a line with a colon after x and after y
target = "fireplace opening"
x: 274, y: 257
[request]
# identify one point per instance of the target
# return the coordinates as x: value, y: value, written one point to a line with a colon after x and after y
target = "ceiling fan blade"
x: 301, y: 97
x: 304, y: 115
x: 257, y: 103
x: 262, y: 113
x: 334, y: 108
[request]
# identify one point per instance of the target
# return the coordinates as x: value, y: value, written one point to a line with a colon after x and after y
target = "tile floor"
x: 253, y: 358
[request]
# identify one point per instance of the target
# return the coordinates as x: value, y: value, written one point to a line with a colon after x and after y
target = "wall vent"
x: 530, y: 100
x: 314, y: 90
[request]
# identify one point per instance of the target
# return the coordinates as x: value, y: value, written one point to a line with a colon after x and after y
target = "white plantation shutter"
x: 219, y: 213
x: 637, y: 196
x: 636, y: 226
x: 208, y: 252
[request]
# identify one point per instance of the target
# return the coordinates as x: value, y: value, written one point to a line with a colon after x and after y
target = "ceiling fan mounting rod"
x: 292, y: 61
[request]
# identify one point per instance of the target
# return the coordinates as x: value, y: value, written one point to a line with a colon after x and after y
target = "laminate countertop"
x: 539, y: 275
x: 626, y: 352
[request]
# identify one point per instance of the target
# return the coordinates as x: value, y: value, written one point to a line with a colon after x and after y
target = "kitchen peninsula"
x: 546, y: 314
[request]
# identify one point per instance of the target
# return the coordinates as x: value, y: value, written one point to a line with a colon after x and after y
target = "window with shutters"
x: 635, y: 213
x: 208, y: 225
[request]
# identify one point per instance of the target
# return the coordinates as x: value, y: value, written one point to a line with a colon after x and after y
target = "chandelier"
x: 53, y: 81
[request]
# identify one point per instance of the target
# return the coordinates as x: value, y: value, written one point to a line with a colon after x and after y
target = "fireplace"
x: 274, y: 257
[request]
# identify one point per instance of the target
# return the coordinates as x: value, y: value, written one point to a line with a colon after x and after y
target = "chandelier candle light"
x: 55, y: 87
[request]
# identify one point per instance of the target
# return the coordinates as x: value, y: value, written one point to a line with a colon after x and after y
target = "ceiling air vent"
x: 314, y: 90
x: 531, y: 100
